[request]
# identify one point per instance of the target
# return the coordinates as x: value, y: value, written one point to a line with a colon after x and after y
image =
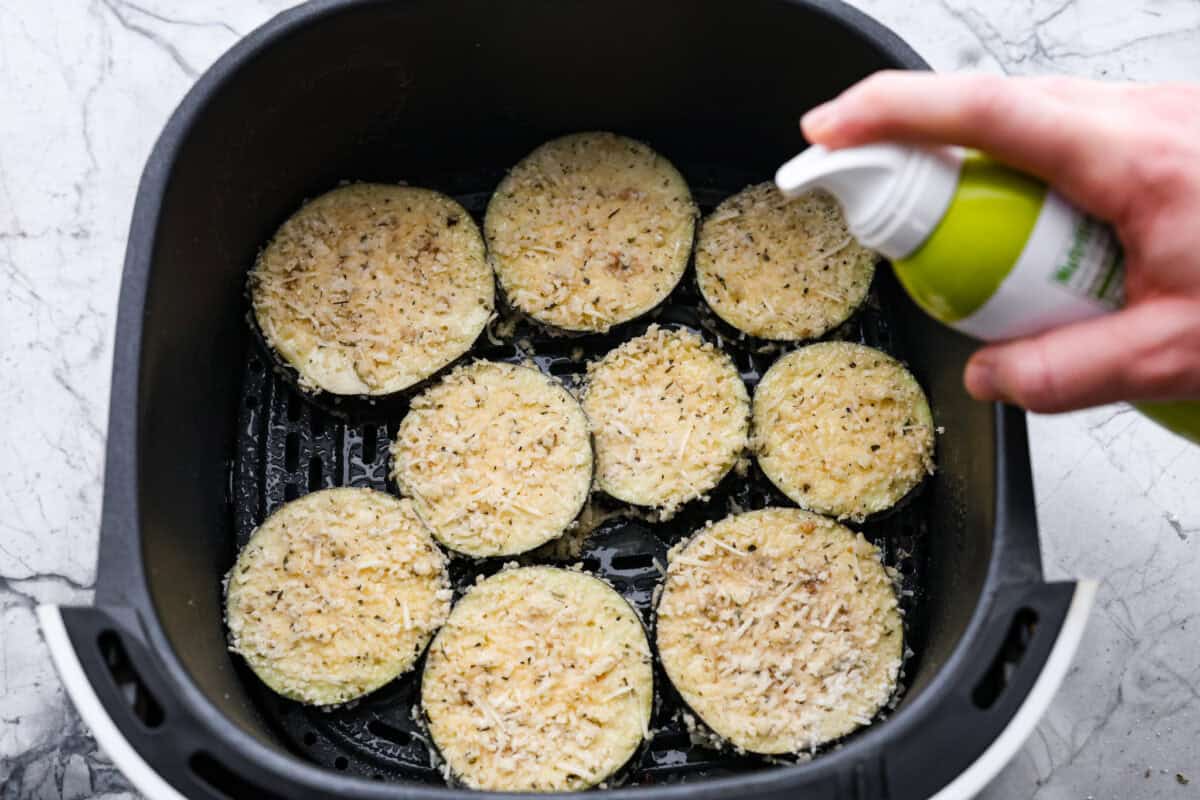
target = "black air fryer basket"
x: 206, y: 437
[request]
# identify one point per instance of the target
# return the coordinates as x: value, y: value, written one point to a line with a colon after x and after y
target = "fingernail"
x: 818, y: 120
x: 983, y: 381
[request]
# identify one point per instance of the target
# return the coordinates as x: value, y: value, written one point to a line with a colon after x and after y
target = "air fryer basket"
x: 205, y: 438
x: 287, y: 445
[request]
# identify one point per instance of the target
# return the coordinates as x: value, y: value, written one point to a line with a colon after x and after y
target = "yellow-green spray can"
x: 984, y: 248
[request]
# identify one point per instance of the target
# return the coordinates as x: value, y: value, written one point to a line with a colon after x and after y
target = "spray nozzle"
x: 893, y: 195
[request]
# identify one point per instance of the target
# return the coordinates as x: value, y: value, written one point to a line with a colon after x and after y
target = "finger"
x: 1147, y: 352
x: 1080, y: 91
x: 1040, y: 126
x: 949, y: 107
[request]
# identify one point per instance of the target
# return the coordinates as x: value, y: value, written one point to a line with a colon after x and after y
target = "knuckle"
x: 1171, y: 365
x: 1033, y: 383
x: 1161, y: 164
x: 989, y: 97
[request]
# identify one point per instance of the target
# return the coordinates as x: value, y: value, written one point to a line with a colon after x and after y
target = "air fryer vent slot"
x: 137, y: 696
x: 224, y: 782
x: 382, y: 736
x: 1008, y: 658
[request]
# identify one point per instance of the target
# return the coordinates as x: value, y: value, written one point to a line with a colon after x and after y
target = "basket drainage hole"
x: 671, y: 741
x: 291, y: 492
x: 141, y: 702
x: 291, y: 452
x: 370, y: 444
x: 1007, y: 659
x: 294, y: 406
x: 310, y: 739
x: 632, y: 562
x: 315, y: 474
x: 341, y: 762
x: 389, y: 732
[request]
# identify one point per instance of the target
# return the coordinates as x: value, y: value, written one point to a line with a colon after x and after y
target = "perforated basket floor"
x: 289, y: 445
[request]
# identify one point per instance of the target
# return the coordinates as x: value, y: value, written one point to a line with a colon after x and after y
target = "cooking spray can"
x: 988, y: 250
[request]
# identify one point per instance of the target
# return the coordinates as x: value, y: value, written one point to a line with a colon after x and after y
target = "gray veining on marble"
x: 85, y: 88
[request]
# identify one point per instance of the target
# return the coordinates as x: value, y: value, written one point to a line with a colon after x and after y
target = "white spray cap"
x: 893, y: 195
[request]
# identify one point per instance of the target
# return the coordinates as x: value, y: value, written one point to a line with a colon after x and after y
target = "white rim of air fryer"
x: 968, y: 784
x: 87, y: 703
x: 974, y: 778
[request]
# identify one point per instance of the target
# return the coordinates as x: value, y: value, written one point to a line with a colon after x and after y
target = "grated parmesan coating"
x: 369, y: 289
x: 336, y: 594
x: 590, y: 230
x: 670, y: 417
x: 780, y: 629
x: 781, y: 269
x: 540, y: 681
x: 842, y: 429
x: 496, y: 457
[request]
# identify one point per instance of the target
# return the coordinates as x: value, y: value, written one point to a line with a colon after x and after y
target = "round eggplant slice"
x: 780, y: 629
x: 336, y: 594
x: 540, y: 681
x: 370, y: 289
x: 496, y: 457
x: 589, y: 231
x: 781, y: 269
x: 842, y: 429
x: 669, y: 415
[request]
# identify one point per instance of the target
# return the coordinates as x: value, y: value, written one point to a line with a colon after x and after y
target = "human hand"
x: 1128, y: 154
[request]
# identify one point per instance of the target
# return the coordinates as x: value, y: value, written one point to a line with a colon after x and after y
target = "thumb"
x: 1147, y: 352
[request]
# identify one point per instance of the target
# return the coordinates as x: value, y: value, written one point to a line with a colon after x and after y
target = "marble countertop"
x: 85, y: 87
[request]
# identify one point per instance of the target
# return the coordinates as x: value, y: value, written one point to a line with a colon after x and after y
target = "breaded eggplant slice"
x: 370, y: 289
x: 781, y: 269
x: 589, y: 231
x: 336, y: 594
x: 496, y: 457
x: 669, y: 416
x: 842, y: 429
x: 540, y: 681
x: 780, y: 629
